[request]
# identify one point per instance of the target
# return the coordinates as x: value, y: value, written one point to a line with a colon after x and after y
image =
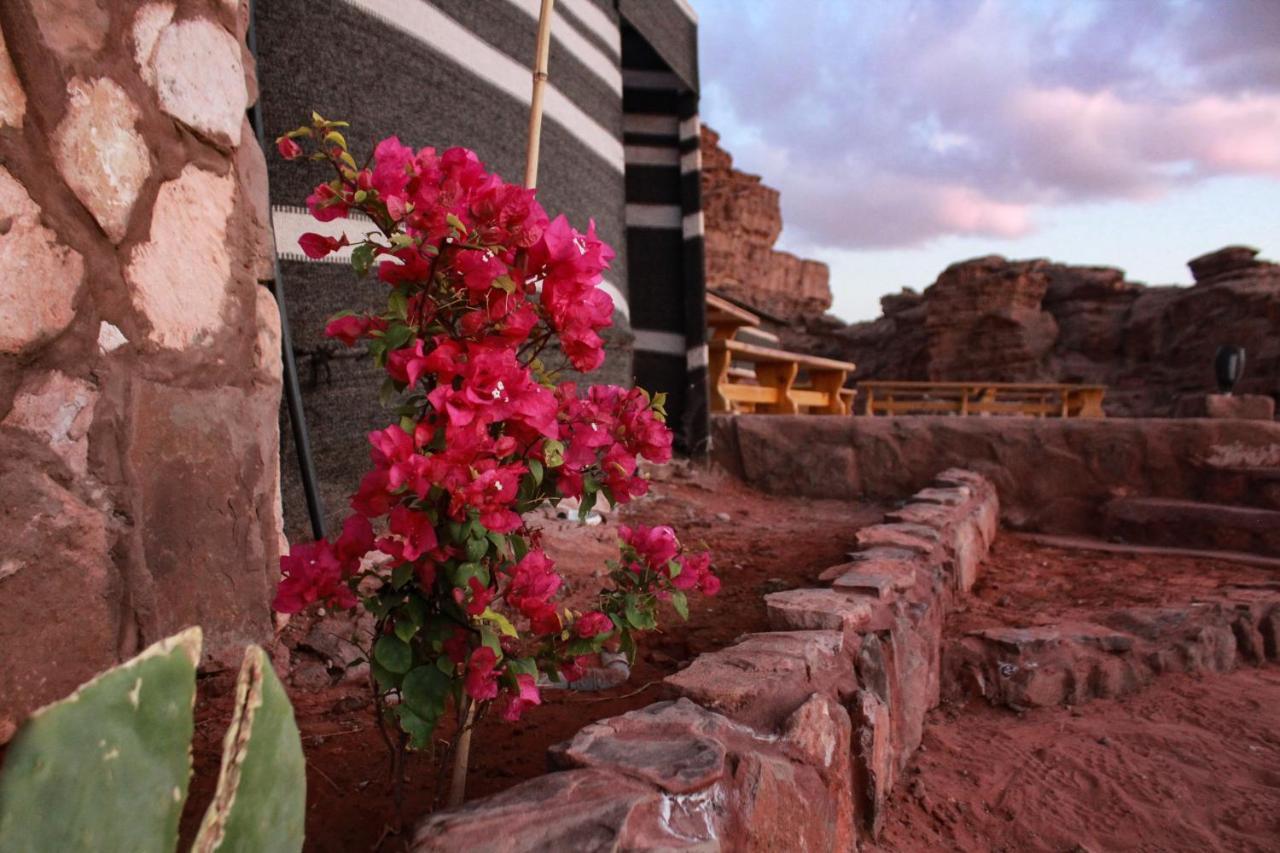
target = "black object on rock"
x: 1228, y: 367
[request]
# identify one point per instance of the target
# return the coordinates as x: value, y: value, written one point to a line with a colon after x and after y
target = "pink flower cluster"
x: 479, y: 281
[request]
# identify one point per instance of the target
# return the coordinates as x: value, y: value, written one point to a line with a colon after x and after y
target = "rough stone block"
x: 39, y: 277
x: 57, y: 409
x: 72, y: 29
x: 574, y: 810
x: 199, y: 78
x: 1251, y: 407
x: 101, y: 156
x: 763, y: 678
x: 204, y: 461
x: 148, y: 23
x: 59, y: 591
x: 923, y: 540
x: 816, y: 609
x: 874, y: 774
x: 180, y: 277
x: 13, y: 101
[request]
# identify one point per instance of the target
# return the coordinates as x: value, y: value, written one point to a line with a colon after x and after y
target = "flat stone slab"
x: 816, y: 609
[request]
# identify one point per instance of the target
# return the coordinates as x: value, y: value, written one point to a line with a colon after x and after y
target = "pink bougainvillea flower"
x: 593, y: 624
x: 317, y: 246
x: 482, y: 680
x: 288, y: 149
x: 523, y: 697
x: 655, y: 545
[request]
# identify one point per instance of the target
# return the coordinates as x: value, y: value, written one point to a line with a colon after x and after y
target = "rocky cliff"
x: 996, y: 319
x: 743, y: 221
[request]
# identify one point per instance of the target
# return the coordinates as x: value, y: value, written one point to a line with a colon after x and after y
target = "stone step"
x: 1244, y: 486
x: 1193, y: 524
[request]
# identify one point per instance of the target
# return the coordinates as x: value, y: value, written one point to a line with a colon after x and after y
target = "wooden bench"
x: 724, y: 319
x: 774, y: 389
x: 1034, y: 399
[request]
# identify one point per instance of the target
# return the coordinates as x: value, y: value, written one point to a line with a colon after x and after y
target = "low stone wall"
x: 1053, y: 475
x: 787, y: 740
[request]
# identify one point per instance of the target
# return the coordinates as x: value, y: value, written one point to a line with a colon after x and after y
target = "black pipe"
x: 292, y: 391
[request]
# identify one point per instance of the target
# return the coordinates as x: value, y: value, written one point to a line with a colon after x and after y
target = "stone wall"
x: 139, y: 356
x: 787, y: 740
x: 993, y: 319
x: 1054, y: 475
x: 743, y: 220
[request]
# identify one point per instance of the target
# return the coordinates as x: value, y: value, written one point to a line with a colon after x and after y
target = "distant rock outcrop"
x: 743, y: 221
x: 994, y: 319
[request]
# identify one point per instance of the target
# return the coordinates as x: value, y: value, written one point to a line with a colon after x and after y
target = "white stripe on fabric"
x: 692, y: 225
x: 691, y: 161
x: 446, y: 36
x: 696, y: 357
x: 577, y: 46
x: 655, y: 124
x: 652, y: 155
x: 654, y: 216
x: 591, y: 17
x: 690, y: 128
x: 290, y: 223
x: 654, y: 340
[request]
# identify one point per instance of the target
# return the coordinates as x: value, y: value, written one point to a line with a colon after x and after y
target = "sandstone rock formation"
x: 996, y: 319
x: 743, y: 221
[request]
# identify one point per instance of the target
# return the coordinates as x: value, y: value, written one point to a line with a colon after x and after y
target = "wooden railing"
x: 1035, y: 399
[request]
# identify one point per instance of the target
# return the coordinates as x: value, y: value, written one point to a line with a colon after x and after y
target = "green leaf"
x: 627, y: 645
x: 640, y: 617
x: 401, y: 575
x: 455, y: 223
x: 424, y: 690
x: 416, y: 610
x: 489, y: 638
x: 681, y: 604
x: 362, y: 258
x: 500, y: 543
x: 476, y: 549
x: 674, y: 569
x: 519, y: 548
x: 398, y: 334
x: 536, y: 470
x: 398, y: 305
x: 581, y: 646
x: 387, y: 392
x: 335, y: 138
x: 504, y: 283
x: 405, y: 629
x: 418, y: 729
x: 393, y: 653
x: 553, y: 452
x: 386, y: 679
x: 464, y: 572
x: 503, y: 623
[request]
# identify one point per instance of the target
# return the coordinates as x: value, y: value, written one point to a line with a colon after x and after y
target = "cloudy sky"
x: 908, y: 134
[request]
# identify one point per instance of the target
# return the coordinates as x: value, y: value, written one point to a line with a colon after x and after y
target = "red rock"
x: 13, y: 101
x: 58, y: 409
x: 743, y: 220
x: 1193, y: 524
x: 1246, y: 406
x: 994, y: 319
x: 816, y: 609
x: 874, y: 765
x: 763, y: 678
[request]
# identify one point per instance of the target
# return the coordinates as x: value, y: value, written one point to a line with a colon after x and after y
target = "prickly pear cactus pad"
x: 106, y: 769
x: 260, y: 803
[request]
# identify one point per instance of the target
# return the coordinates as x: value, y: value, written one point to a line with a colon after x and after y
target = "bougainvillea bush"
x: 479, y: 281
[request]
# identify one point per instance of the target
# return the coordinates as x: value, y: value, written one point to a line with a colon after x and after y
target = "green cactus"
x: 106, y: 769
x: 260, y: 804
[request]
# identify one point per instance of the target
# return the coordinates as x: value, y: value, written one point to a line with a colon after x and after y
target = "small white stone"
x: 110, y: 338
x: 13, y: 101
x: 147, y: 25
x: 100, y: 154
x: 199, y: 77
x: 179, y: 277
x: 39, y: 277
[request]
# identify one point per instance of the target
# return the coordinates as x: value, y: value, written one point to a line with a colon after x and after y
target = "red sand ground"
x: 760, y: 544
x: 1188, y: 764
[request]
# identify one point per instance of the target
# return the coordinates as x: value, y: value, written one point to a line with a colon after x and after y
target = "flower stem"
x: 462, y: 754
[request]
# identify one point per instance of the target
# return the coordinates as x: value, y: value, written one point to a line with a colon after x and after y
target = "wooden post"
x: 467, y: 714
x: 535, y: 105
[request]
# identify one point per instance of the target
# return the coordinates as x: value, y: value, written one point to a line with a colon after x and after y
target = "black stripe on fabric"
x: 613, y: 51
x: 659, y: 372
x: 666, y: 32
x: 657, y: 278
x: 650, y: 100
x: 637, y: 53
x: 656, y: 139
x: 653, y: 184
x: 505, y: 27
x: 691, y: 191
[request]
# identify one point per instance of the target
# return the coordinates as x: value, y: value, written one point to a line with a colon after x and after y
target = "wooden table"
x: 1035, y: 399
x: 775, y: 389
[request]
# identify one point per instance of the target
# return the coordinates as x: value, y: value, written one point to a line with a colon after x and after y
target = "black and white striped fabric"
x: 457, y: 72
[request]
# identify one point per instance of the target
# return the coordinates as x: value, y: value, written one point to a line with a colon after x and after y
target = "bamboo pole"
x: 539, y: 83
x: 467, y: 714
